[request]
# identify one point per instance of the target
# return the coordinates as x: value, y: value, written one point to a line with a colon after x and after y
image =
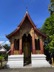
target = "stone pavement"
x: 28, y: 70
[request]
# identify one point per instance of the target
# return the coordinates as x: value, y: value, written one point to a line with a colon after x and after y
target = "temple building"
x: 26, y: 37
x: 26, y: 40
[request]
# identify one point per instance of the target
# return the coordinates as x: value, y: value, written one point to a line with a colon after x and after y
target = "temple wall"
x: 41, y: 44
x: 25, y: 29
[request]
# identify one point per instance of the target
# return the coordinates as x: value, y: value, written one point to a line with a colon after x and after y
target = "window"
x: 37, y: 44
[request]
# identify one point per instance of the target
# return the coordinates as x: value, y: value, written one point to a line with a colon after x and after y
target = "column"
x: 12, y: 48
x: 33, y: 44
x: 41, y: 46
x: 20, y: 46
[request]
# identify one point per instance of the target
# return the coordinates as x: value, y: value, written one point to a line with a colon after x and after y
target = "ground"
x: 28, y: 70
x: 48, y: 69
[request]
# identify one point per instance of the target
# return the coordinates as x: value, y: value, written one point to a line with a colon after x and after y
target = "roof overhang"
x: 18, y: 28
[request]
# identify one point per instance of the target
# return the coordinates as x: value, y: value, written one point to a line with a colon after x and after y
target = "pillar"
x: 12, y: 47
x: 41, y: 46
x: 20, y: 46
x: 33, y: 43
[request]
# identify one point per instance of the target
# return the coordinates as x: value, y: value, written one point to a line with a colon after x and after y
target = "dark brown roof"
x: 31, y: 22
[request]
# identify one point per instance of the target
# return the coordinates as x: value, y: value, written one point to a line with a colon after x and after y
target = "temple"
x: 26, y: 36
x: 26, y: 40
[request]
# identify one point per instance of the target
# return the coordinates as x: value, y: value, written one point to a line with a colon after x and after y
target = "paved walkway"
x: 28, y: 70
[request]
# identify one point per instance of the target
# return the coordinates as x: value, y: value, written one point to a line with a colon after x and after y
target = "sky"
x: 13, y: 11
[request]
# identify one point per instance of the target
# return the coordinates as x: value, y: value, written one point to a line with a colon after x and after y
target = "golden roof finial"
x: 26, y: 9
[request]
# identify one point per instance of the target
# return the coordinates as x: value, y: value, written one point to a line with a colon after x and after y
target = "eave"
x: 18, y: 28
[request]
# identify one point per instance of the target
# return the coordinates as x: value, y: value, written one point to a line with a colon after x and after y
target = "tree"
x: 7, y: 47
x: 48, y: 29
x: 1, y: 59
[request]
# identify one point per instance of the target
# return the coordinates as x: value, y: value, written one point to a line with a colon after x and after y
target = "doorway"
x: 27, y: 47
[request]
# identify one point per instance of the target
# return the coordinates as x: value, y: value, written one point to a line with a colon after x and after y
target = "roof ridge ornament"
x: 26, y: 9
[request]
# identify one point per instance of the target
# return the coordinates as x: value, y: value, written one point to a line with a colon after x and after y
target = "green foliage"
x: 7, y: 47
x: 1, y: 57
x: 48, y: 29
x: 5, y: 57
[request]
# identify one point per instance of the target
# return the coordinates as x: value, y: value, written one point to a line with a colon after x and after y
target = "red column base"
x: 33, y: 51
x: 12, y: 52
x: 42, y: 52
x: 20, y: 51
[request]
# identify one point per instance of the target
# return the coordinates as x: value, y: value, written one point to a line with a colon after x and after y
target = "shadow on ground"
x: 28, y: 70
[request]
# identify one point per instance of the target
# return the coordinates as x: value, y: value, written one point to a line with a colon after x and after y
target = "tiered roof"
x: 31, y: 22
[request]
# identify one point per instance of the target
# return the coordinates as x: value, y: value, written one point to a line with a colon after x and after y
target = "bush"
x: 1, y: 58
x: 6, y: 57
